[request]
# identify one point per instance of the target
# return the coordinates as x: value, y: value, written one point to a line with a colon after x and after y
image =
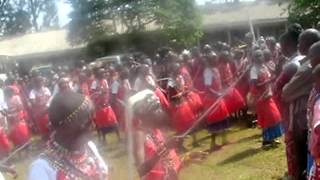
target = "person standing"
x: 18, y: 129
x: 105, y: 118
x: 218, y: 120
x: 234, y: 100
x: 289, y: 48
x: 40, y: 96
x: 269, y: 117
x: 69, y: 153
x: 296, y: 92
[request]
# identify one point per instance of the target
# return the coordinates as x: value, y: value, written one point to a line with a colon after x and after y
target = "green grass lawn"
x: 242, y: 159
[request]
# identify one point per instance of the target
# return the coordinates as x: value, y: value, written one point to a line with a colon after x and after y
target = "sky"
x: 65, y: 9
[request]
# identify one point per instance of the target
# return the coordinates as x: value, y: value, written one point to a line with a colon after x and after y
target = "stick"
x: 251, y: 28
x: 15, y: 152
x: 214, y: 106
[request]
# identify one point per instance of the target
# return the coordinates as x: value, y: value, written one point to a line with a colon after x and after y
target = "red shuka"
x: 159, y: 171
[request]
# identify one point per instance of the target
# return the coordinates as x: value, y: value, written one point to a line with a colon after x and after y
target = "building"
x: 39, y: 48
x: 229, y: 22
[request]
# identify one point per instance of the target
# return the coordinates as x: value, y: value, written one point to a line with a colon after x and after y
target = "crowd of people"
x: 200, y: 88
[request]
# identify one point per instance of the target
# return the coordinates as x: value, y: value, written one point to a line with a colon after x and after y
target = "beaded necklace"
x: 166, y: 161
x: 83, y: 167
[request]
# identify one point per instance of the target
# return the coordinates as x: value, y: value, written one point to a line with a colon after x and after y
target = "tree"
x: 178, y: 18
x: 47, y: 8
x: 2, y: 3
x: 135, y: 15
x: 305, y: 12
x: 21, y: 16
x: 181, y: 22
x: 13, y: 21
x: 88, y: 20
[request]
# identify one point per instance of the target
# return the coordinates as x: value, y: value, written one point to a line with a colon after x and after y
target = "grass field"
x: 243, y: 159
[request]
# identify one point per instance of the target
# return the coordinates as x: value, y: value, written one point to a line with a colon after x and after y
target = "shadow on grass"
x: 250, y: 138
x: 119, y: 154
x: 240, y: 156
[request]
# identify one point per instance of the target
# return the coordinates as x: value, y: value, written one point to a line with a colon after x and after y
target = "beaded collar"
x: 72, y: 165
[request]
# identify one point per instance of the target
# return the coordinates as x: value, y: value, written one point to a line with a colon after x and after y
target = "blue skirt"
x: 272, y: 133
x: 309, y: 164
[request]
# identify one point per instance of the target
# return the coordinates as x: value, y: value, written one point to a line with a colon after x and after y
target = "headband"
x: 72, y: 115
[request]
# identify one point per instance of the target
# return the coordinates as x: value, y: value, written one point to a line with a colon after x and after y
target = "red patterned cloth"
x: 186, y: 77
x: 105, y: 117
x: 234, y: 100
x: 40, y: 98
x: 5, y: 146
x: 213, y: 85
x: 163, y: 99
x: 18, y: 131
x: 171, y: 162
x: 19, y: 134
x: 182, y: 116
x: 266, y: 108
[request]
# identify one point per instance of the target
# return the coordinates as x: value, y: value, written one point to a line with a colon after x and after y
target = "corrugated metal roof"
x: 36, y: 43
x: 237, y: 14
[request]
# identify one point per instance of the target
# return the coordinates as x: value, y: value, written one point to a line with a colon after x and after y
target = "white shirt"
x: 115, y: 87
x: 207, y: 76
x: 1, y: 176
x: 3, y: 104
x: 34, y: 93
x: 41, y: 170
x: 254, y: 72
x: 95, y: 84
x: 138, y: 83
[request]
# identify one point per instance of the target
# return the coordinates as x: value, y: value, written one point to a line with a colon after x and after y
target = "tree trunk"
x: 2, y: 3
x: 34, y: 15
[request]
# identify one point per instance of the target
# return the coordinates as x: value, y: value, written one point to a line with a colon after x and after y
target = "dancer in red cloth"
x: 184, y: 70
x: 146, y: 80
x: 218, y: 120
x: 268, y: 114
x: 18, y: 129
x: 105, y: 118
x: 152, y: 152
x: 5, y: 146
x: 83, y: 84
x: 122, y: 96
x: 269, y: 62
x: 39, y: 97
x: 197, y: 69
x: 184, y: 109
x: 234, y: 101
x: 155, y: 156
x: 181, y: 112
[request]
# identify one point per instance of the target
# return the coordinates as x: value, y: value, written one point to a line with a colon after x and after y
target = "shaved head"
x: 314, y: 54
x: 306, y: 39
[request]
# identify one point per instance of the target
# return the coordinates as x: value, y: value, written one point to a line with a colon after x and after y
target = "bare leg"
x: 213, y: 145
x: 118, y: 134
x: 194, y: 139
x: 224, y: 138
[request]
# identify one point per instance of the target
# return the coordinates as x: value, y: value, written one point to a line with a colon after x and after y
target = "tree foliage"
x: 87, y: 20
x: 305, y: 12
x: 178, y: 18
x: 135, y: 15
x: 181, y: 22
x: 21, y: 16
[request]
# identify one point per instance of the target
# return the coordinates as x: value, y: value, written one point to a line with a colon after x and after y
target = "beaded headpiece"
x: 72, y: 115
